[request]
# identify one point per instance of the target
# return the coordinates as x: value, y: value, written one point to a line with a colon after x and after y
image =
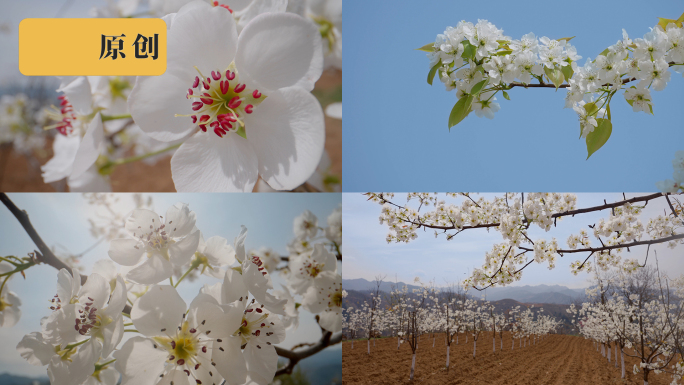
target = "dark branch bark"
x: 293, y: 357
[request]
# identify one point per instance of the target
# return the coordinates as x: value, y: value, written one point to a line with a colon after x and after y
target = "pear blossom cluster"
x: 21, y: 124
x: 224, y: 114
x: 512, y: 215
x: 676, y: 184
x: 479, y: 61
x: 227, y: 332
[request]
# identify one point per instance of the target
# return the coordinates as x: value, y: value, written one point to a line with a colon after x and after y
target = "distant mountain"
x: 11, y: 379
x: 555, y: 294
x: 361, y: 284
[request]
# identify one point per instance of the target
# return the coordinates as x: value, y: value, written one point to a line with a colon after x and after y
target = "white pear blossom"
x: 252, y: 116
x: 160, y: 243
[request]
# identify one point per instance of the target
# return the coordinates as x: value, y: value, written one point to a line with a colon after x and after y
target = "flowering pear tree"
x: 479, y: 62
x: 226, y: 334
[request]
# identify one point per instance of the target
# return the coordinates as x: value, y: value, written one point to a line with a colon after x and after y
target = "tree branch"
x: 45, y: 255
x: 293, y: 357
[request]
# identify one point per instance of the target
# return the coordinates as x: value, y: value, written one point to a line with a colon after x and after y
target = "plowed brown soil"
x: 558, y: 359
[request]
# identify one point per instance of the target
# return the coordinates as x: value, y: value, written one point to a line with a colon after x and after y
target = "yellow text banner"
x: 74, y: 47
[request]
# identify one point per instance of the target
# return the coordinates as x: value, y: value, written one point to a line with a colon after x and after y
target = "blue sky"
x: 367, y: 254
x: 62, y: 221
x: 395, y: 127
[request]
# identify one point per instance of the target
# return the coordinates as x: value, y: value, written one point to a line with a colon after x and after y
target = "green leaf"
x: 566, y: 38
x: 631, y: 102
x: 567, y: 72
x: 477, y: 88
x: 460, y: 111
x: 504, y: 53
x: 505, y: 94
x: 664, y: 22
x: 430, y: 47
x: 591, y: 108
x: 555, y: 75
x: 241, y: 131
x: 468, y: 50
x: 608, y: 110
x: 597, y: 138
x: 604, y: 52
x: 433, y: 71
x: 650, y: 107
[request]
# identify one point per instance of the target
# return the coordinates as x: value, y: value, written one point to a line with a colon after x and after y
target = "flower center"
x: 155, y: 239
x: 336, y: 299
x: 4, y: 304
x: 184, y: 347
x: 64, y: 116
x: 221, y: 102
x: 253, y: 322
x: 87, y: 318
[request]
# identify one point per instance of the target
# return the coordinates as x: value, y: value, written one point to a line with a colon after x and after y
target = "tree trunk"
x: 609, y: 352
x: 433, y: 341
x: 456, y: 338
x: 474, y: 347
x: 447, y: 362
x: 616, y: 358
x: 398, y: 343
x: 494, y: 344
x: 413, y: 366
x: 352, y: 344
x: 369, y: 346
x: 374, y: 341
x: 622, y: 358
x: 466, y: 338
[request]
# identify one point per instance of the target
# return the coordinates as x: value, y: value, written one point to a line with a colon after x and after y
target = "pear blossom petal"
x: 154, y: 270
x: 35, y: 349
x: 127, y: 252
x: 89, y: 181
x: 257, y: 7
x: 261, y: 362
x: 206, y: 163
x: 160, y: 310
x: 219, y: 251
x: 141, y: 220
x: 61, y: 164
x: 233, y: 287
x: 229, y: 362
x: 139, y: 362
x: 180, y: 220
x: 288, y: 136
x: 11, y: 314
x: 279, y: 50
x: 181, y: 252
x: 90, y: 148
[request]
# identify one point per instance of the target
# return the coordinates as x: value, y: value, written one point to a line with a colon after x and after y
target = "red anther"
x: 234, y: 102
x: 204, y: 118
x: 215, y: 124
x: 248, y: 311
x: 225, y: 86
x: 226, y: 125
x: 215, y: 75
x: 239, y: 88
x: 262, y: 325
x: 230, y: 75
x: 228, y: 117
x: 263, y: 273
x: 194, y: 118
x: 205, y: 85
x: 258, y: 310
x: 187, y: 372
x: 61, y: 97
x: 219, y: 131
x: 173, y: 344
x: 180, y: 362
x: 248, y: 108
x: 256, y: 94
x: 197, y: 105
x: 257, y: 333
x: 215, y: 3
x: 189, y: 91
x: 197, y: 366
x: 196, y: 82
x: 203, y: 127
x: 204, y: 349
x: 207, y: 100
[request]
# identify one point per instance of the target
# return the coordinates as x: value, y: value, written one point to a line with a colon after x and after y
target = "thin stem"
x: 192, y: 267
x: 102, y: 365
x: 131, y: 330
x: 144, y: 156
x: 115, y: 117
x: 71, y: 346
